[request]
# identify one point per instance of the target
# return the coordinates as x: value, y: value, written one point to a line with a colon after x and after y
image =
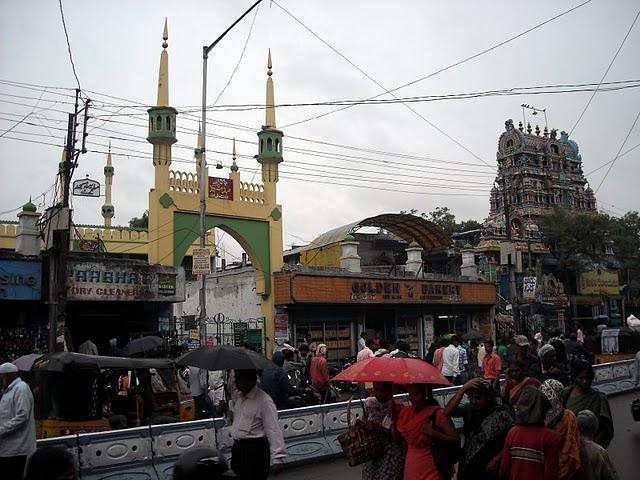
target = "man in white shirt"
x: 366, y: 352
x: 17, y: 424
x: 451, y: 360
x: 258, y: 438
x: 198, y: 383
x: 362, y: 341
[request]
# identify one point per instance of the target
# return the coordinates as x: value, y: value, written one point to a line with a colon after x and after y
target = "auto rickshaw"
x: 77, y: 393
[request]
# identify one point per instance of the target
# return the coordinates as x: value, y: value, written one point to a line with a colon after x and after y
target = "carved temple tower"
x: 536, y: 173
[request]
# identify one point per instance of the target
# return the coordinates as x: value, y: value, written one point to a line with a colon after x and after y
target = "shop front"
x: 122, y: 299
x: 334, y: 308
x: 23, y: 326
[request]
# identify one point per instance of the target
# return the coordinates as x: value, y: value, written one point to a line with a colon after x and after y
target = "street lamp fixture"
x: 202, y: 321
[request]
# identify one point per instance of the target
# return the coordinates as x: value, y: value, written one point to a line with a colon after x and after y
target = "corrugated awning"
x: 408, y: 227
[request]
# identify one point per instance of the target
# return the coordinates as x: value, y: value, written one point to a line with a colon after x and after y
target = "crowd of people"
x: 545, y: 421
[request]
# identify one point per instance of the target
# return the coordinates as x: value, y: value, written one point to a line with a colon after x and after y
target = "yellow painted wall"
x: 327, y: 256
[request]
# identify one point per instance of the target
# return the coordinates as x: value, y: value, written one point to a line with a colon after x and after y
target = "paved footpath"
x: 624, y: 451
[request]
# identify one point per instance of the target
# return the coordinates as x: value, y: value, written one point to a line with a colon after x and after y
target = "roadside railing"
x: 310, y: 435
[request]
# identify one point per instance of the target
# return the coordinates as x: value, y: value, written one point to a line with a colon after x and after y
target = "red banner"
x: 221, y: 188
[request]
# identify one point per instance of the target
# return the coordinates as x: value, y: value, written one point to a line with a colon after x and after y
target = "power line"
x: 611, y: 161
x: 619, y: 150
x: 453, y: 65
x: 244, y: 48
x: 605, y: 73
x: 66, y: 34
x: 514, y: 91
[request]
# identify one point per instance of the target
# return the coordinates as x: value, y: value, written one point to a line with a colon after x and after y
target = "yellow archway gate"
x: 247, y: 211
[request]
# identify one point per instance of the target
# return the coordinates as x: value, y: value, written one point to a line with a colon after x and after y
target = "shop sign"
x: 529, y: 288
x: 115, y: 281
x: 372, y: 291
x: 86, y: 188
x: 599, y: 282
x: 254, y: 338
x: 239, y: 333
x: 282, y: 326
x: 221, y: 188
x: 201, y: 261
x: 20, y: 280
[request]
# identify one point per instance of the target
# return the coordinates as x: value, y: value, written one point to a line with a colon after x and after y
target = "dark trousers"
x: 200, y: 406
x: 251, y: 458
x: 12, y: 468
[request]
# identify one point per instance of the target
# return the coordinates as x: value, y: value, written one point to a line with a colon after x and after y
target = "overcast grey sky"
x: 116, y: 47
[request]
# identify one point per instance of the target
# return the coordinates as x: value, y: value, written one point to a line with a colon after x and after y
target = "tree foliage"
x: 579, y: 241
x: 443, y: 217
x: 142, y: 222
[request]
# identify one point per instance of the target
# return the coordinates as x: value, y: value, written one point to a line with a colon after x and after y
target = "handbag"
x: 445, y: 455
x: 360, y: 444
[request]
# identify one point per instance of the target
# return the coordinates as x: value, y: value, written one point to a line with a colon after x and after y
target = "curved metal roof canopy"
x: 408, y: 227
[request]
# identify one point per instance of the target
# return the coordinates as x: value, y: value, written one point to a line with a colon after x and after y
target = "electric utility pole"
x: 58, y: 226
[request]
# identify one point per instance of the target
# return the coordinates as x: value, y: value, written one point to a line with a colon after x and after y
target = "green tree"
x: 142, y: 222
x: 443, y: 217
x: 580, y: 240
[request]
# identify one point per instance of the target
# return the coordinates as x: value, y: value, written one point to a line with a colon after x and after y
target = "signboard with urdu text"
x: 201, y: 261
x: 599, y: 282
x: 124, y: 282
x: 221, y: 188
x: 86, y: 187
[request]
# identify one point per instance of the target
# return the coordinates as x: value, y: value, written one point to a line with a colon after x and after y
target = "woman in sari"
x: 415, y: 424
x: 563, y: 421
x: 486, y: 424
x: 381, y: 413
x: 516, y: 382
x: 582, y: 396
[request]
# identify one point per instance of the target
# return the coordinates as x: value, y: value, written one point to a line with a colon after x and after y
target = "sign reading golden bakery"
x: 599, y: 282
x: 125, y: 282
x: 407, y: 290
x: 322, y: 288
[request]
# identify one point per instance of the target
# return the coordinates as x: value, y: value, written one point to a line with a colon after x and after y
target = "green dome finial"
x: 349, y: 238
x: 29, y: 207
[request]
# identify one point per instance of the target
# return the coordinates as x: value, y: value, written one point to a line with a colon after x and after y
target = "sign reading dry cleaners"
x: 115, y: 281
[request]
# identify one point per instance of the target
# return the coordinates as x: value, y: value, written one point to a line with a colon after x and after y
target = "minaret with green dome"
x: 162, y: 121
x: 27, y: 234
x: 270, y: 146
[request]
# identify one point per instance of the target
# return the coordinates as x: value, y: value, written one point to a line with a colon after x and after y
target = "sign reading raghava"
x: 95, y: 281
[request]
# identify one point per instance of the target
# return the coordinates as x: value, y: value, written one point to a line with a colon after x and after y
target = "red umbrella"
x: 395, y: 370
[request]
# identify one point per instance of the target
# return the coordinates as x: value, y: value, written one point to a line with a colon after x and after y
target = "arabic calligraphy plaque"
x: 221, y: 188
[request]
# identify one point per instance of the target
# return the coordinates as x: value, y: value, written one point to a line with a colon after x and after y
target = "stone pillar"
x: 350, y: 260
x: 27, y: 234
x: 468, y: 267
x: 414, y: 258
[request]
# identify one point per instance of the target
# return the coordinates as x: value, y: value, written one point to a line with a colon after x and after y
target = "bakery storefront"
x: 333, y: 308
x: 120, y: 298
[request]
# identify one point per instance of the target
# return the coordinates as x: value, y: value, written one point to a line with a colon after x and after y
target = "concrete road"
x: 625, y: 447
x: 624, y: 450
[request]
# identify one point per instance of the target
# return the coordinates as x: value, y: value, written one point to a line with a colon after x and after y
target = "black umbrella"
x: 142, y: 344
x: 225, y: 357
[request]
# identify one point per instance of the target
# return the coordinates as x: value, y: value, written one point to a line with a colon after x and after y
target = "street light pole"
x: 203, y: 170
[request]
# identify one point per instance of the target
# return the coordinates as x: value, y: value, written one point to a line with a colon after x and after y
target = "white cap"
x: 8, y: 368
